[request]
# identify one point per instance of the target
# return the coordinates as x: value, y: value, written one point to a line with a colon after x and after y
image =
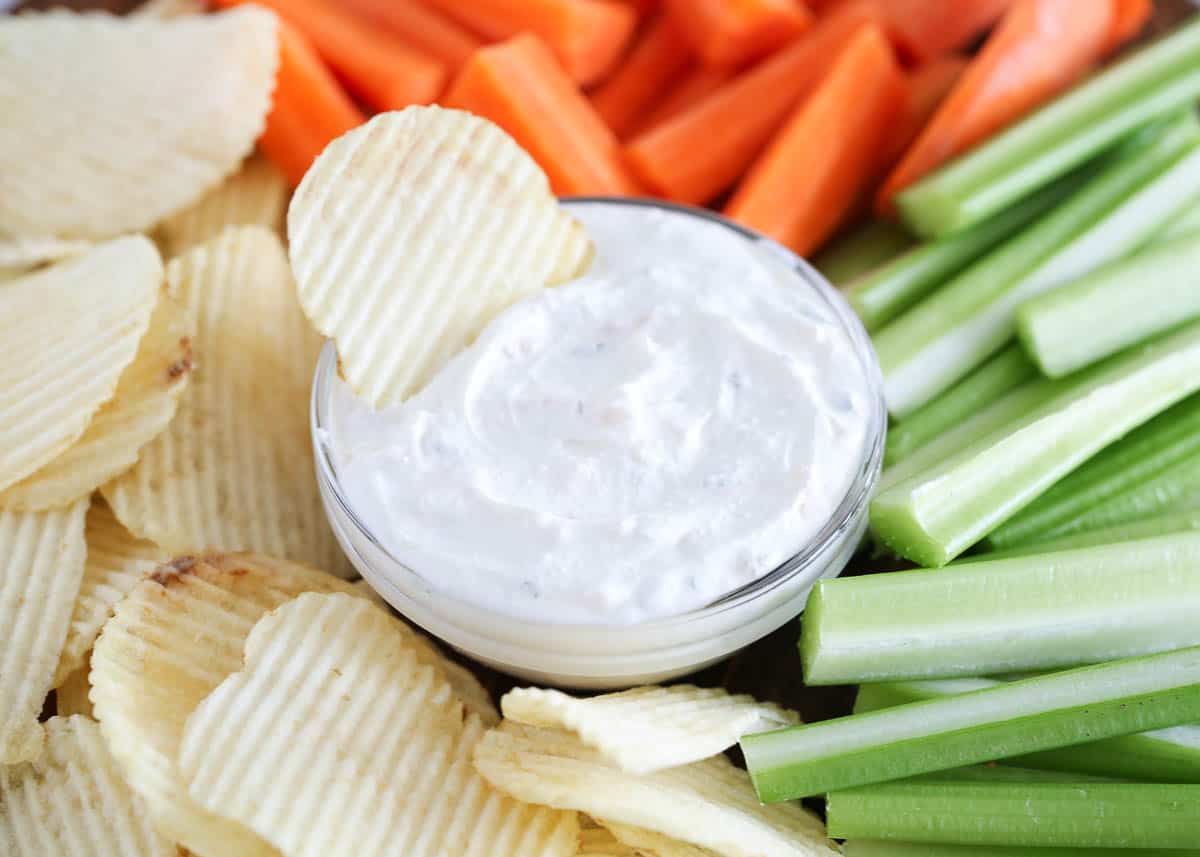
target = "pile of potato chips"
x: 165, y: 565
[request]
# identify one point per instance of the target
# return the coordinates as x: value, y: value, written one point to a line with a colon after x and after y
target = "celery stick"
x: 959, y: 326
x: 1004, y: 411
x: 1040, y: 713
x: 937, y: 514
x: 862, y: 249
x: 1171, y: 490
x: 1156, y: 451
x: 991, y: 617
x: 1066, y: 132
x: 1164, y: 755
x: 884, y: 293
x: 887, y: 848
x: 992, y: 807
x: 1113, y: 307
x: 1186, y: 223
x: 1187, y: 519
x: 1005, y: 372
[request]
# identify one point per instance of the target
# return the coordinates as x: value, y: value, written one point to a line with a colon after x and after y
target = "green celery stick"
x: 1026, y: 716
x: 1057, y: 138
x: 945, y: 336
x: 1155, y: 452
x: 992, y: 617
x: 887, y: 848
x: 862, y: 249
x: 1187, y: 519
x: 1113, y: 307
x: 993, y: 807
x: 1164, y: 755
x: 1004, y: 411
x: 884, y: 293
x: 1005, y: 372
x: 936, y: 515
x: 1187, y: 222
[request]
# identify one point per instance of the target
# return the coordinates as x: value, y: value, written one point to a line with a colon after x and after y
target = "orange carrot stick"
x: 520, y: 86
x: 382, y: 70
x: 426, y: 29
x: 659, y: 54
x: 587, y: 36
x: 309, y: 110
x: 1039, y: 49
x: 926, y: 87
x: 702, y: 151
x: 924, y: 29
x: 1129, y: 16
x: 734, y: 32
x: 809, y: 178
x: 696, y: 84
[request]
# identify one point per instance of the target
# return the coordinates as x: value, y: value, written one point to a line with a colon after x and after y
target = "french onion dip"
x: 637, y: 443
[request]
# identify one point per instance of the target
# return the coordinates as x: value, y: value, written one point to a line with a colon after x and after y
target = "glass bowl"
x: 617, y: 655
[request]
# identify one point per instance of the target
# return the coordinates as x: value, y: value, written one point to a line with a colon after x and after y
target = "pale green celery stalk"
x: 1157, y: 452
x: 945, y: 336
x: 1186, y: 520
x: 1164, y: 755
x: 887, y: 848
x: 999, y: 375
x: 1187, y: 222
x: 1155, y: 81
x: 999, y: 807
x: 1171, y: 490
x: 1026, y: 716
x: 934, y: 516
x: 884, y: 293
x: 1004, y: 411
x: 862, y: 249
x: 994, y: 617
x: 1112, y: 308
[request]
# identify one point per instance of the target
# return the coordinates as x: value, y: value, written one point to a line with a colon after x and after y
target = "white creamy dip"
x: 667, y: 428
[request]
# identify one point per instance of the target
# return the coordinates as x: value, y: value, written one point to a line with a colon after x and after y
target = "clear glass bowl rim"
x: 852, y: 503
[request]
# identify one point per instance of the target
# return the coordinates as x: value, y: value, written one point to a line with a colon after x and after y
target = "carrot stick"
x: 924, y: 29
x: 1038, y: 50
x: 309, y: 110
x: 382, y: 70
x: 587, y: 36
x: 702, y: 151
x: 1129, y: 16
x: 696, y: 84
x: 426, y: 29
x: 809, y: 178
x: 731, y: 33
x: 926, y: 87
x: 658, y: 55
x: 520, y: 86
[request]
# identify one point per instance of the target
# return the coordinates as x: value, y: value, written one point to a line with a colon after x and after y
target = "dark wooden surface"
x: 769, y: 669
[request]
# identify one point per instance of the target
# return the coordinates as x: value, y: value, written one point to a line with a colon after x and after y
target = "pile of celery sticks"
x: 1041, y: 360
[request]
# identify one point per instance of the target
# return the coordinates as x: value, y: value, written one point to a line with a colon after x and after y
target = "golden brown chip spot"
x: 171, y: 571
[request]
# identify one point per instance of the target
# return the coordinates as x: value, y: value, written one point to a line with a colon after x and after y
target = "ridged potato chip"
x: 19, y: 253
x: 116, y: 562
x: 234, y: 469
x: 169, y: 8
x: 68, y: 333
x: 112, y: 124
x: 41, y: 566
x: 651, y: 844
x: 171, y: 640
x: 73, y: 694
x: 145, y: 400
x: 411, y: 232
x: 710, y: 803
x: 599, y: 842
x: 650, y: 728
x: 256, y: 194
x: 335, y: 738
x: 72, y: 801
